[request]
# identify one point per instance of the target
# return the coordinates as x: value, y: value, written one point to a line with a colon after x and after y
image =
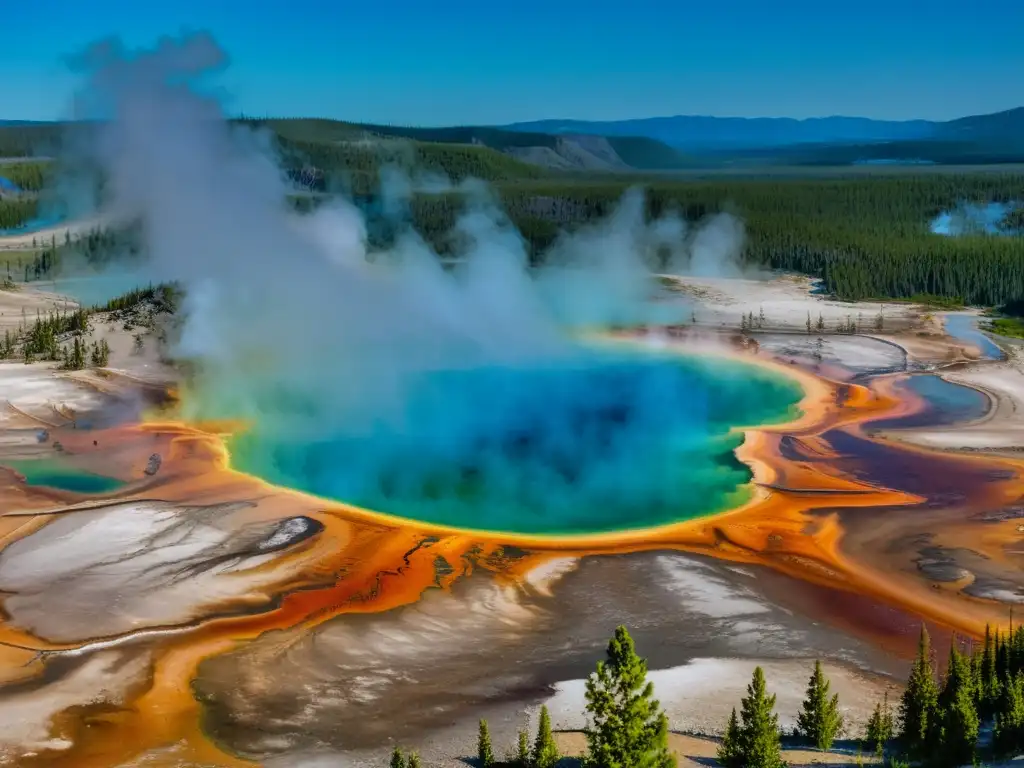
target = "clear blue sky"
x: 431, y: 62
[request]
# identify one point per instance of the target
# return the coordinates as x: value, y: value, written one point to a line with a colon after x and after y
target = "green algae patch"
x: 54, y: 473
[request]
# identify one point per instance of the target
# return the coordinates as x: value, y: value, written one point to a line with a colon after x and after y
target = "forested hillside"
x: 867, y: 236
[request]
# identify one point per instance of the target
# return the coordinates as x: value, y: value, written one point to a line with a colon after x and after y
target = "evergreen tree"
x: 820, y: 721
x: 988, y: 678
x: 484, y: 752
x: 730, y: 753
x: 919, y: 702
x: 959, y: 726
x: 1002, y: 656
x: 808, y: 321
x: 880, y: 727
x: 545, y: 752
x: 522, y: 756
x: 958, y: 731
x: 78, y: 354
x: 759, y: 743
x: 397, y: 759
x: 627, y: 727
x: 958, y: 676
x: 1008, y: 735
x: 1017, y: 651
x: 413, y: 761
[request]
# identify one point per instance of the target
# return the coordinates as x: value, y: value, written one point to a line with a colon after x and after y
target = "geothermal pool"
x: 604, y: 441
x: 53, y: 473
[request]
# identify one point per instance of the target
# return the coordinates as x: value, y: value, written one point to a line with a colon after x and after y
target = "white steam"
x: 270, y: 293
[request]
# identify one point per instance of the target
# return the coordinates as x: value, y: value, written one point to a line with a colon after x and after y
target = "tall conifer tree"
x: 759, y: 742
x: 919, y: 702
x: 820, y: 721
x: 627, y: 727
x: 545, y: 753
x: 484, y: 751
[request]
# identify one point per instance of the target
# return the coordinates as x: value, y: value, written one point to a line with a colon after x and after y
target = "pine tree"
x: 78, y: 355
x: 988, y: 679
x: 958, y: 732
x: 1008, y: 735
x: 1002, y: 656
x: 919, y: 702
x: 821, y: 323
x: 522, y: 757
x: 873, y: 734
x: 820, y: 721
x: 958, y: 676
x: 958, y: 722
x: 413, y: 761
x: 627, y: 727
x: 880, y: 727
x: 730, y: 753
x: 1017, y: 650
x: 484, y: 752
x: 759, y: 743
x: 397, y: 759
x: 545, y: 753
x: 808, y: 322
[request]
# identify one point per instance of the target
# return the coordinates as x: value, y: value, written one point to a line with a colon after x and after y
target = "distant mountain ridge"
x: 525, y: 150
x: 697, y: 133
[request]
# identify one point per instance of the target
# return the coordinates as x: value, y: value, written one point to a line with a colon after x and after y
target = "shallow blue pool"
x: 965, y: 328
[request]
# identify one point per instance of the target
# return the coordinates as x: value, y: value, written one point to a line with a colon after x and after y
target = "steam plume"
x: 398, y: 370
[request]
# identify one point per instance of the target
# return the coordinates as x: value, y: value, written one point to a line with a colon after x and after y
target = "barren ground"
x: 703, y: 624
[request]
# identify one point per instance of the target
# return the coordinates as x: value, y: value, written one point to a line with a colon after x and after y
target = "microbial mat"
x: 53, y: 473
x: 602, y: 441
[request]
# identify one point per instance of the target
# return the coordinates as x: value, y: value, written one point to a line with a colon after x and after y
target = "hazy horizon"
x: 465, y: 64
x: 343, y: 119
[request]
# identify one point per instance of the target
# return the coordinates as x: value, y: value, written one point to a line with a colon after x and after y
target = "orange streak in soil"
x: 364, y: 561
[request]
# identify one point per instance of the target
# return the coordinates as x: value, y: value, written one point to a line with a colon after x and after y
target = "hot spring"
x: 604, y: 440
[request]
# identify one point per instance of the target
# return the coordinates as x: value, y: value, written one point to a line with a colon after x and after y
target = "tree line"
x: 626, y: 724
x: 28, y: 176
x: 867, y: 237
x: 46, y: 339
x: 60, y: 336
x: 97, y: 248
x: 17, y: 211
x: 936, y: 723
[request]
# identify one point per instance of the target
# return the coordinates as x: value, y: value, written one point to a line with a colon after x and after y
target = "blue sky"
x: 432, y: 62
